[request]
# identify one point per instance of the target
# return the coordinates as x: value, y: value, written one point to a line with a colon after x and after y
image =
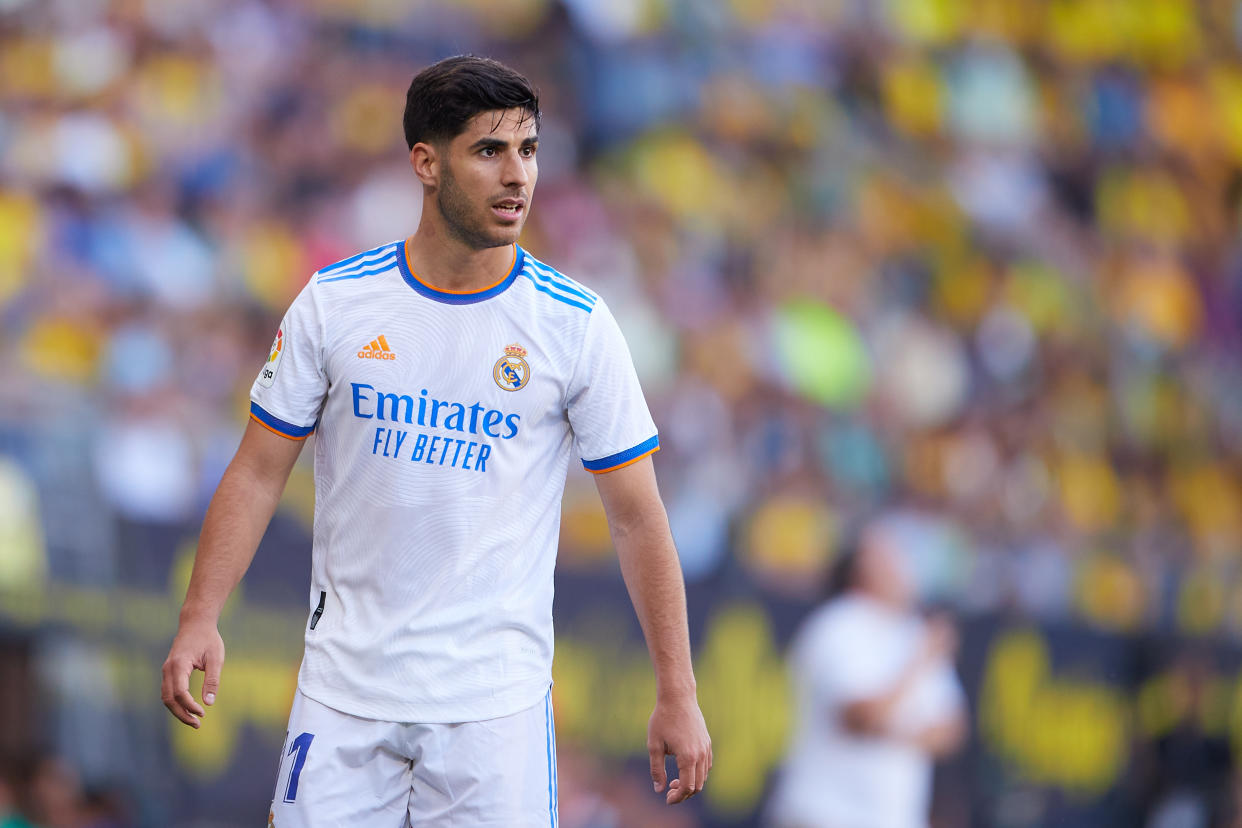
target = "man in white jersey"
x: 877, y: 700
x: 449, y: 377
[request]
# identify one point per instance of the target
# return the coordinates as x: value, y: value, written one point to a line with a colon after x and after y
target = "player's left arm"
x: 652, y: 572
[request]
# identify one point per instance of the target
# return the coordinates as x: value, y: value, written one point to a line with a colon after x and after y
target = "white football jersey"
x: 444, y: 425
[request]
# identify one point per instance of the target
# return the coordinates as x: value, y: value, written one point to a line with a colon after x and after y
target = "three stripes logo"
x: 377, y: 349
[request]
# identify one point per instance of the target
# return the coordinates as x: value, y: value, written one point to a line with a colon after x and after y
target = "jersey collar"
x: 452, y: 297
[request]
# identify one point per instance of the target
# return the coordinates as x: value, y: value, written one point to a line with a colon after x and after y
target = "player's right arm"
x: 872, y: 716
x: 236, y: 520
x: 942, y: 738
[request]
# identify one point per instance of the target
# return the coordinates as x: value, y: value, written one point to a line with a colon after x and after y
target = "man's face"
x: 882, y: 569
x: 487, y: 178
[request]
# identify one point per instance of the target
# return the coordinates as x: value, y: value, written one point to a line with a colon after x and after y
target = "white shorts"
x: 340, y: 771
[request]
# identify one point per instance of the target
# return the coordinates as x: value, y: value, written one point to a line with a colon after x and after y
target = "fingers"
x: 683, y: 787
x: 678, y: 728
x: 687, y: 774
x: 211, y: 677
x: 659, y: 776
x: 187, y: 702
x: 175, y: 691
x: 691, y: 775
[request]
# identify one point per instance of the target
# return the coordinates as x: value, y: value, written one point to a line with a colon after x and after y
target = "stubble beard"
x: 462, y: 224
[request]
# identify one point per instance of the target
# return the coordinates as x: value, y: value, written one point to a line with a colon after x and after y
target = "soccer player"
x: 449, y: 377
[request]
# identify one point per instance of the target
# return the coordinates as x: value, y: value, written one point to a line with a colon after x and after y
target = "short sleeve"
x: 289, y: 392
x: 609, y: 416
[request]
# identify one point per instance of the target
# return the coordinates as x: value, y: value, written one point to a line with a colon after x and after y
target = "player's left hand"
x: 677, y: 729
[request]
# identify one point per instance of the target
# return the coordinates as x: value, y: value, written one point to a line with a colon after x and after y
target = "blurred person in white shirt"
x: 877, y: 700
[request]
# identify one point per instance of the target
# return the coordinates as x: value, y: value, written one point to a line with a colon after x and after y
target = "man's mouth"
x: 509, y: 208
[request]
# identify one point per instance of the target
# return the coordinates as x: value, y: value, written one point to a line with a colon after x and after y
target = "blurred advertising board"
x: 1061, y: 716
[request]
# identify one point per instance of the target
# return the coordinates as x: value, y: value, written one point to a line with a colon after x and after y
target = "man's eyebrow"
x: 487, y: 142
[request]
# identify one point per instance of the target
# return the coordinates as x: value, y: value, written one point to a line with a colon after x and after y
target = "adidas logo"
x: 377, y: 349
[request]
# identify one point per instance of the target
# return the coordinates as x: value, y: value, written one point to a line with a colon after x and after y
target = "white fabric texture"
x: 341, y: 771
x: 440, y: 461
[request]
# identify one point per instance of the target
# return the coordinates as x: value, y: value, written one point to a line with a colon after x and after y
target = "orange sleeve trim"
x: 274, y: 431
x: 626, y: 463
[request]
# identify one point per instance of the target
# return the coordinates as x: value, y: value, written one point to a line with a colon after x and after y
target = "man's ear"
x: 425, y: 160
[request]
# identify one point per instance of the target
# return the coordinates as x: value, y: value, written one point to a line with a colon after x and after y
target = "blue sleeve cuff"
x: 278, y: 425
x: 623, y: 458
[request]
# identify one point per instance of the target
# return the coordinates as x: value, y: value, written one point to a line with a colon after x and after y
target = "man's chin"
x: 489, y: 235
x: 505, y: 235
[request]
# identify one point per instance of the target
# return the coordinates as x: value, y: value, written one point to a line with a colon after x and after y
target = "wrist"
x: 192, y: 615
x: 681, y: 690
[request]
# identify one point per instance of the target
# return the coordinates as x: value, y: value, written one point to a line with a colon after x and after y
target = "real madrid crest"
x: 511, y: 371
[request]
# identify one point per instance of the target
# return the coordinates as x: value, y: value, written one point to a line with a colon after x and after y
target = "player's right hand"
x: 198, y: 646
x: 677, y: 729
x: 941, y: 640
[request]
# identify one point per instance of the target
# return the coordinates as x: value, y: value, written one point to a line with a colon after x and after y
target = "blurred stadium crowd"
x: 974, y: 263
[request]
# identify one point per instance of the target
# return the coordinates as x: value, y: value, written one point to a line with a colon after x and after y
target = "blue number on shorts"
x: 302, y: 746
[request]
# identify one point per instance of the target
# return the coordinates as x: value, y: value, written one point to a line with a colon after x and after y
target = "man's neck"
x: 880, y: 602
x: 447, y: 263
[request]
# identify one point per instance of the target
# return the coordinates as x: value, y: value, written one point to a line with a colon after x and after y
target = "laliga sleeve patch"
x: 268, y: 375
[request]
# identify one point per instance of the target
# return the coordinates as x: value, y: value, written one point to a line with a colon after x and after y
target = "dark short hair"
x: 446, y: 95
x: 842, y: 575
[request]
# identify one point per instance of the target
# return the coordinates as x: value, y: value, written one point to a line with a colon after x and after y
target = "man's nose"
x: 514, y: 171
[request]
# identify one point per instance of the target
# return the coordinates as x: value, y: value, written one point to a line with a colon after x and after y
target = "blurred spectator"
x: 877, y: 700
x: 1190, y: 778
x: 52, y: 792
x: 43, y: 791
x: 582, y: 800
x: 9, y: 816
x: 105, y: 808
